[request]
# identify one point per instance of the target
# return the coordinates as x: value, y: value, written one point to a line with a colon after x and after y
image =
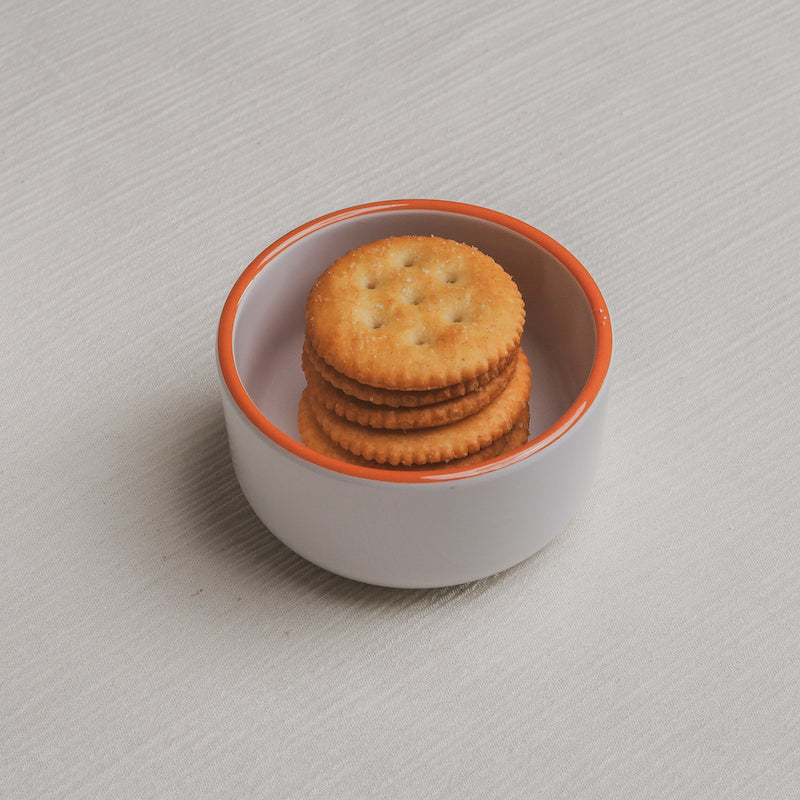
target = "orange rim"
x: 602, y: 358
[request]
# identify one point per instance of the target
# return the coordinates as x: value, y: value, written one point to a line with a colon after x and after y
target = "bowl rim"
x: 585, y: 399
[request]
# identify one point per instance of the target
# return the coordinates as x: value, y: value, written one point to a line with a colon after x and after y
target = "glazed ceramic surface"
x: 415, y: 529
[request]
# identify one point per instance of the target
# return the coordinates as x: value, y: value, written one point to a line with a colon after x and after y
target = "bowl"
x: 405, y: 528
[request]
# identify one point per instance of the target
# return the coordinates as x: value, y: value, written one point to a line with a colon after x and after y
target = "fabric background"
x: 156, y: 640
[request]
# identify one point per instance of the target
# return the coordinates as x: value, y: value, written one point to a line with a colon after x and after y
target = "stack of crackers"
x: 412, y: 357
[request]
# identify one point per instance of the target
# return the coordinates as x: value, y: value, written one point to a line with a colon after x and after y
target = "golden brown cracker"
x: 314, y: 437
x: 439, y: 443
x: 398, y: 398
x: 382, y: 416
x: 414, y: 313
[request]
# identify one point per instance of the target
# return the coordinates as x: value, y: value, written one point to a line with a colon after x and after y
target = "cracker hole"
x: 409, y: 260
x: 457, y: 316
x: 420, y: 338
x: 371, y: 284
x: 451, y: 277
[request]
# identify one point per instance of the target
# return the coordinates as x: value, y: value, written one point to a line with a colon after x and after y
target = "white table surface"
x: 157, y: 641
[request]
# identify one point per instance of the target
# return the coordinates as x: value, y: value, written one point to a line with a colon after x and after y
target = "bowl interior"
x: 559, y: 337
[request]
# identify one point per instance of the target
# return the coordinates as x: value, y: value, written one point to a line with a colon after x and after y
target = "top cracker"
x: 414, y: 313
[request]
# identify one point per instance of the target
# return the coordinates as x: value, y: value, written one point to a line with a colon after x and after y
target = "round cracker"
x: 440, y: 443
x: 380, y: 416
x: 397, y: 398
x: 414, y: 313
x: 314, y: 437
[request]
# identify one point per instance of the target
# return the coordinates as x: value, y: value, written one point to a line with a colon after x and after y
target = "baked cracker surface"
x: 414, y: 313
x: 434, y: 444
x: 399, y: 398
x: 423, y: 416
x: 314, y: 437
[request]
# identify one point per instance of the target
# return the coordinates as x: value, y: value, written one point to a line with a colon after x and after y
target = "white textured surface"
x: 155, y: 641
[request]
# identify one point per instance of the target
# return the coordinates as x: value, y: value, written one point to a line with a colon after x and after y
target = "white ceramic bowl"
x: 415, y: 529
